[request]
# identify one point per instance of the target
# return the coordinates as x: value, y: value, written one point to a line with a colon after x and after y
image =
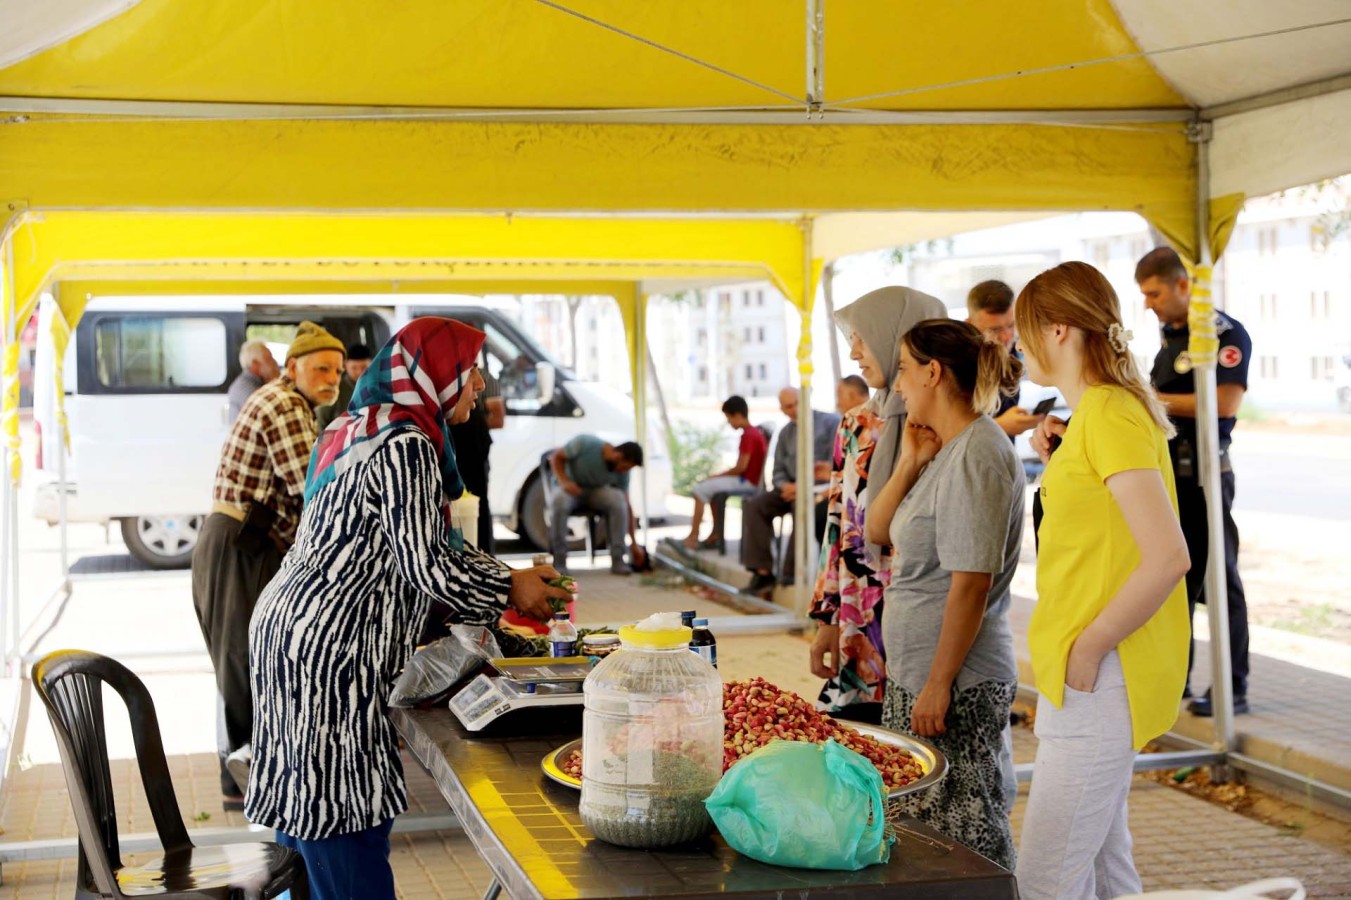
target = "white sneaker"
x: 238, y: 763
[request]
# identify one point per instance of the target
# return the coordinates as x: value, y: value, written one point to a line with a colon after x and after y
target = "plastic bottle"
x: 651, y: 741
x: 562, y: 636
x: 703, y: 644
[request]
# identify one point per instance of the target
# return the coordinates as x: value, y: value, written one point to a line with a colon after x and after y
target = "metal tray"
x: 931, y: 760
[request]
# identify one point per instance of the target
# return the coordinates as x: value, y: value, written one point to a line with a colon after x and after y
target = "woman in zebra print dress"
x: 338, y: 623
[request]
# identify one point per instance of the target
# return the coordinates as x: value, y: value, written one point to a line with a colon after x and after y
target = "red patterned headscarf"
x: 413, y: 382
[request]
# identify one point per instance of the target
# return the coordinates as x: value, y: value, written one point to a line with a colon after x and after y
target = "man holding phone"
x: 989, y: 306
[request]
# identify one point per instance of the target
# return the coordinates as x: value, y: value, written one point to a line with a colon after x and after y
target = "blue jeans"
x: 351, y: 866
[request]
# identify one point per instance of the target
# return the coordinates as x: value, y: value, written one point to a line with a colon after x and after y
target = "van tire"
x: 162, y: 542
x: 531, y: 524
x: 532, y: 527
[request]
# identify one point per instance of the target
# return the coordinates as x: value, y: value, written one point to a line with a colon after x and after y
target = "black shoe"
x: 1187, y: 692
x: 761, y: 585
x: 1202, y: 708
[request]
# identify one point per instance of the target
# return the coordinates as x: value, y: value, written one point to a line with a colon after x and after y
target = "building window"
x: 1323, y: 368
x: 750, y: 373
x: 764, y: 372
x: 760, y: 334
x: 759, y: 298
x: 1102, y: 253
x: 701, y: 337
x: 746, y: 334
x: 1269, y: 367
x: 703, y: 374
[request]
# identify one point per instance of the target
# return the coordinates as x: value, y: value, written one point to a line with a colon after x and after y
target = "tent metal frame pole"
x: 1208, y: 453
x: 9, y: 553
x: 642, y: 359
x: 804, y: 530
x: 20, y: 107
x: 816, y: 56
x: 1306, y: 91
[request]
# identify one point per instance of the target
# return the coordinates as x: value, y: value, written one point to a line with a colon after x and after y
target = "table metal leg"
x: 494, y: 890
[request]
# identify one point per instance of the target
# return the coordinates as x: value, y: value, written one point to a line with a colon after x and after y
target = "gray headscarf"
x: 881, y: 318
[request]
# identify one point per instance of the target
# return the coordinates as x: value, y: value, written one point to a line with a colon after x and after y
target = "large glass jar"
x: 651, y: 741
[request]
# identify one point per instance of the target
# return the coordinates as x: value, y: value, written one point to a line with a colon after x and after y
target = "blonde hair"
x: 982, y: 370
x: 1077, y: 295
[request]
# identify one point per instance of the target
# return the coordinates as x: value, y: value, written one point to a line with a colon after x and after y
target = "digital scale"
x: 534, y: 683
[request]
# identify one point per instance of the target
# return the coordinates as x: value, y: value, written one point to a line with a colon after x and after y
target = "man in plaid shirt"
x: 259, y: 490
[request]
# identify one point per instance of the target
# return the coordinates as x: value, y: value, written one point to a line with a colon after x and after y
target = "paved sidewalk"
x: 1180, y: 840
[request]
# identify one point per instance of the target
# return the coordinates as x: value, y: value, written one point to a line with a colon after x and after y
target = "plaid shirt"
x: 266, y: 455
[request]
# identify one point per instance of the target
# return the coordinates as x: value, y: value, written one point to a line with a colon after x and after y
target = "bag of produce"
x: 813, y: 806
x: 442, y: 664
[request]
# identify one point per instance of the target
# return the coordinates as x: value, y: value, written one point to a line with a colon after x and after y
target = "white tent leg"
x: 804, y: 507
x: 640, y: 383
x: 1208, y: 451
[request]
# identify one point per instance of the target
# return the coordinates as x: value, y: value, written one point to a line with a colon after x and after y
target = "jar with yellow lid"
x: 651, y: 741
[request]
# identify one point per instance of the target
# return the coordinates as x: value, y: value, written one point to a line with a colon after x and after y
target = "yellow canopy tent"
x: 586, y: 108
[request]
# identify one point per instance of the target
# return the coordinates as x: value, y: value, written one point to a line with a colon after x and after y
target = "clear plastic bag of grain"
x: 651, y: 739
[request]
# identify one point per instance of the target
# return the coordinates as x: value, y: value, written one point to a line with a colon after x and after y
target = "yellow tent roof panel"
x: 524, y: 54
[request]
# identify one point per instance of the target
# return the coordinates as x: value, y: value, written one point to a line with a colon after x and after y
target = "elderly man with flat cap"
x: 259, y: 489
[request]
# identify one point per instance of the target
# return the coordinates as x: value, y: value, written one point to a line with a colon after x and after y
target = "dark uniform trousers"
x: 757, y: 529
x: 226, y: 583
x: 1191, y: 503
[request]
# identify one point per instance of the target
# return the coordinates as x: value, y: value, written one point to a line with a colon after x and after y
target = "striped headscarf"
x: 413, y: 382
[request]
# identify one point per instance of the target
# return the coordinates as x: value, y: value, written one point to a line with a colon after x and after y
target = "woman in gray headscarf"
x: 853, y: 574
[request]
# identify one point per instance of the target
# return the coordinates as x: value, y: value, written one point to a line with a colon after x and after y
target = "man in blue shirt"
x: 1167, y: 288
x: 593, y: 476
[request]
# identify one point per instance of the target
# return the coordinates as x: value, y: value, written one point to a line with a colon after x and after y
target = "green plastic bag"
x: 812, y: 806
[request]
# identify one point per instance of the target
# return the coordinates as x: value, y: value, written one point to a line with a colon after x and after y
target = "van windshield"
x: 514, y: 368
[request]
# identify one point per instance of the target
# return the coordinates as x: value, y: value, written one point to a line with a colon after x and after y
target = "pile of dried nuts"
x: 756, y: 712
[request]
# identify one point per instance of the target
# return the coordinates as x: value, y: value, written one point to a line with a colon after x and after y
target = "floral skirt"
x: 969, y: 804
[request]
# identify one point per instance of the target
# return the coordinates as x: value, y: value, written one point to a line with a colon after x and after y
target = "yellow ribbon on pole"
x: 1203, y: 345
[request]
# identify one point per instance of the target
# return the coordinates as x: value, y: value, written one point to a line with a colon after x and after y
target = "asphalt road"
x: 1300, y: 475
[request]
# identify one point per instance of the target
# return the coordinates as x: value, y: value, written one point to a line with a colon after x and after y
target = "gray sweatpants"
x: 610, y: 502
x: 1076, y: 844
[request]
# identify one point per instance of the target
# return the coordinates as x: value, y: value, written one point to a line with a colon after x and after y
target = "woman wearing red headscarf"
x: 339, y: 621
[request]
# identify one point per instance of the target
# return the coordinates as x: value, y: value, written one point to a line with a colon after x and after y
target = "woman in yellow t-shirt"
x: 1109, y: 633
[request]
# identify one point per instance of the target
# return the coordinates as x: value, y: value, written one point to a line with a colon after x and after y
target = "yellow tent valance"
x: 141, y: 247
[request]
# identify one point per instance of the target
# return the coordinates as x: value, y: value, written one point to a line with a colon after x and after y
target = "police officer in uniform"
x: 1167, y: 289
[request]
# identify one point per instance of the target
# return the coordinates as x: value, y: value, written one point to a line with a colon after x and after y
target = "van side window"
x: 167, y: 352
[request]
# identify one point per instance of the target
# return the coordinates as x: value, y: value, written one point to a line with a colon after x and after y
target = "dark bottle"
x: 687, y: 619
x: 703, y: 644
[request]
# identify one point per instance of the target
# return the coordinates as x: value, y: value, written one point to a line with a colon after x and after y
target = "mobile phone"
x: 1044, y: 406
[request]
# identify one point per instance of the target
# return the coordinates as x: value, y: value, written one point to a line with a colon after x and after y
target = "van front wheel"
x: 162, y: 542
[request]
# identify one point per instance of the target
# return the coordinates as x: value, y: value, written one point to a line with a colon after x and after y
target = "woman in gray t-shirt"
x: 953, y: 512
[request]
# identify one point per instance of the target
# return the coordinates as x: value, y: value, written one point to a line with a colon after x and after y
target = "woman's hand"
x: 530, y: 592
x: 1081, y: 670
x: 920, y: 444
x: 929, y: 716
x: 1050, y: 427
x: 826, y: 642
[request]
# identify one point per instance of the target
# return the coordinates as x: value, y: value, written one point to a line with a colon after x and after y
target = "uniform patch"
x: 1183, y: 364
x: 1230, y: 356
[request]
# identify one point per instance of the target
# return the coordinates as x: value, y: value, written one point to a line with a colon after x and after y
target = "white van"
x: 145, y: 398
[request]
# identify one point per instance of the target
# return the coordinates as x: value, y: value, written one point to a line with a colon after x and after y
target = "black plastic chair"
x: 70, y: 683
